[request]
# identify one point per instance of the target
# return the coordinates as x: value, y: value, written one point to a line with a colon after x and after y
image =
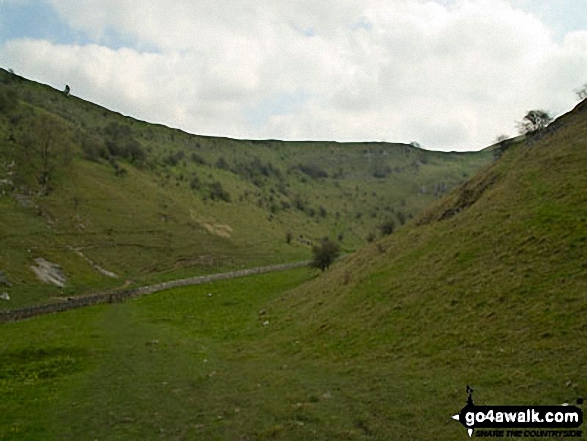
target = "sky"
x: 448, y: 74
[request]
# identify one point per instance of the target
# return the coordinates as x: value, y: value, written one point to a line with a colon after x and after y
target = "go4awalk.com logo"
x: 561, y: 421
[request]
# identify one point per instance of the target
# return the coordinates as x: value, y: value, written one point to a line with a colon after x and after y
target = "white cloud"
x: 451, y: 75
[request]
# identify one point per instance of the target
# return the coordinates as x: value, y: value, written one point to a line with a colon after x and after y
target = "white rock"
x: 49, y: 272
x: 4, y: 296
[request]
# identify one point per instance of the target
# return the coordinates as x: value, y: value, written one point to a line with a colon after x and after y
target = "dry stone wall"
x: 120, y: 296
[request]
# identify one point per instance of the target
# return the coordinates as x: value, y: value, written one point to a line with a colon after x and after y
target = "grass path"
x: 180, y: 365
x: 186, y: 365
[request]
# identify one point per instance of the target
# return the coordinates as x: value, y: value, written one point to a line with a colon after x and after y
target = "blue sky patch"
x: 279, y: 104
x: 36, y: 20
x: 40, y: 21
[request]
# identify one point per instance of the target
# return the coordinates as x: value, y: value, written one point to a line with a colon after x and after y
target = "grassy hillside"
x: 97, y: 193
x: 487, y: 288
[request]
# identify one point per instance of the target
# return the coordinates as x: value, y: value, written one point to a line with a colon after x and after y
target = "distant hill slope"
x: 99, y: 194
x: 489, y: 289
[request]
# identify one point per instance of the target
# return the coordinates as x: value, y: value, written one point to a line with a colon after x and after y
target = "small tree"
x: 502, y: 146
x: 582, y: 92
x: 387, y: 227
x: 325, y: 254
x: 46, y: 147
x: 534, y: 121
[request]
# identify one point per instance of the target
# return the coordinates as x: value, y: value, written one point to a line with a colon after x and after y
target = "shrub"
x: 115, y: 131
x: 325, y: 254
x: 217, y: 192
x: 381, y: 172
x: 133, y: 151
x: 8, y: 100
x: 222, y: 164
x: 312, y: 170
x: 173, y: 158
x: 93, y: 148
x: 387, y: 227
x: 120, y: 143
x: 299, y: 202
x: 198, y: 159
x: 195, y: 183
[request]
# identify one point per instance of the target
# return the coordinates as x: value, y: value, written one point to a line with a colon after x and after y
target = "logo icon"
x: 550, y: 419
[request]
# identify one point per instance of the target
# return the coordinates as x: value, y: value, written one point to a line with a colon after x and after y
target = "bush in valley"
x: 118, y: 169
x: 222, y: 164
x: 120, y: 143
x: 255, y: 170
x: 198, y: 159
x: 325, y: 254
x: 312, y: 170
x: 195, y: 183
x: 299, y: 202
x: 94, y: 148
x: 217, y: 192
x: 8, y: 100
x: 387, y: 227
x: 174, y: 158
x: 381, y: 172
x: 133, y: 151
x: 115, y: 131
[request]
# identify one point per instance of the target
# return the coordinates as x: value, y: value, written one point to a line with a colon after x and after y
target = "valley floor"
x: 224, y: 361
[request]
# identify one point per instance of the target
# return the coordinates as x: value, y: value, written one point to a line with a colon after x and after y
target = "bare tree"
x: 45, y: 148
x: 582, y: 92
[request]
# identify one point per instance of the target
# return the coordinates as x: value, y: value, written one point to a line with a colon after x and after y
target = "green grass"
x: 186, y: 365
x: 150, y: 224
x: 487, y: 288
x: 493, y: 296
x: 179, y: 365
